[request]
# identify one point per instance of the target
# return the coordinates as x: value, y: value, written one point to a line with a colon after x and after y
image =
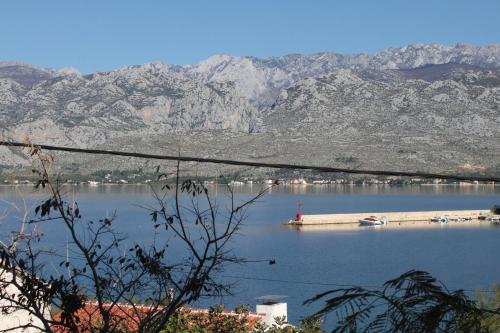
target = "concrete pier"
x: 400, y: 218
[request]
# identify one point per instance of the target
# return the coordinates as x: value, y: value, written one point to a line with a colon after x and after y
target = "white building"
x: 16, y: 318
x: 272, y: 307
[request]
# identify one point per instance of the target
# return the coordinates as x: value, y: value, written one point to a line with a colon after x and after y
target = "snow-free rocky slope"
x: 419, y: 107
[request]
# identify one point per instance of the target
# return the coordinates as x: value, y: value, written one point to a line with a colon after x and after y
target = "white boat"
x: 373, y: 221
x: 440, y: 219
x: 495, y: 219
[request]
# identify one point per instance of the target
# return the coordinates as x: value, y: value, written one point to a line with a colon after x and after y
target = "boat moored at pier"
x: 373, y: 221
x: 440, y: 219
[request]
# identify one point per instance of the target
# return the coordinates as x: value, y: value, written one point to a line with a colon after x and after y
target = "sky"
x: 100, y: 35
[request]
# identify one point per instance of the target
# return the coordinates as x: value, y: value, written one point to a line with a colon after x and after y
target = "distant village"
x: 138, y: 179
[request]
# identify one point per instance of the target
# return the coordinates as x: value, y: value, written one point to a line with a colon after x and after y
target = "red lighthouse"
x: 299, y: 214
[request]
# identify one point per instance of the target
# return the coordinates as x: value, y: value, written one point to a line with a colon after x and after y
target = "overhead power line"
x: 254, y: 164
x: 328, y: 284
x: 309, y: 283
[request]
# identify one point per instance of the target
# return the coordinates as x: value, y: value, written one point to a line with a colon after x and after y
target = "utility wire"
x: 327, y: 284
x: 309, y: 283
x: 254, y: 164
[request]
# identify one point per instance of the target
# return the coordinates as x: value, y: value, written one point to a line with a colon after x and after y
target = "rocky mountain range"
x: 419, y: 107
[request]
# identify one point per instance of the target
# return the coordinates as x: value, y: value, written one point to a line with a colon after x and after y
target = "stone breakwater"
x: 395, y: 219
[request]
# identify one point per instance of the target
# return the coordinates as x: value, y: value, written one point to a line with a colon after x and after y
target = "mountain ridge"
x: 293, y: 107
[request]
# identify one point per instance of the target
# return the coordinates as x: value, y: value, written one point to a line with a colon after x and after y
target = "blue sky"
x: 106, y: 34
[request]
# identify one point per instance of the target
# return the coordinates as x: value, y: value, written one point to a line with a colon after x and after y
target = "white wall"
x: 19, y: 317
x: 271, y: 311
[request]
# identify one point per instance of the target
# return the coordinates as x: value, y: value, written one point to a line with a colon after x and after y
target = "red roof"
x: 127, y: 318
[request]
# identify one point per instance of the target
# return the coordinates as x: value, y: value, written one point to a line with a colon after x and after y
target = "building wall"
x: 19, y: 317
x: 271, y: 311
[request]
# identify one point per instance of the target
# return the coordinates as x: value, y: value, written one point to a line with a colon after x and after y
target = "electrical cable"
x: 253, y: 164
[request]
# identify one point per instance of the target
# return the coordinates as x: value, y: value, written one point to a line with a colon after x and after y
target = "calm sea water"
x: 311, y: 261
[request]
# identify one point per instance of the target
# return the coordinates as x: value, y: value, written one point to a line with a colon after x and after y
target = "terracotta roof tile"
x: 126, y: 318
